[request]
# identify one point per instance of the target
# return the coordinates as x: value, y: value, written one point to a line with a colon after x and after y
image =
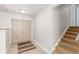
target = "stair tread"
x: 26, y: 49
x: 60, y: 49
x: 69, y: 47
x: 67, y: 43
x: 25, y: 46
x: 70, y: 42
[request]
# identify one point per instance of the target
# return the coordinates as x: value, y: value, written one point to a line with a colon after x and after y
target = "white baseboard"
x: 40, y: 47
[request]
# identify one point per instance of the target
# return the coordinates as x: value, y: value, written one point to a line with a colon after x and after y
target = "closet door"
x: 20, y: 30
x: 26, y: 30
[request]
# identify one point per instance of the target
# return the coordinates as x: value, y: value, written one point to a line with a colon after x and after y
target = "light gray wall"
x: 5, y: 18
x: 2, y: 42
x: 5, y: 22
x: 49, y: 24
x: 78, y: 15
x: 43, y: 28
x: 64, y: 12
x: 75, y: 15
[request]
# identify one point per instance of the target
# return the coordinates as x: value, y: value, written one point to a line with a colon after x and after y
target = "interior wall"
x: 7, y: 40
x: 5, y: 22
x: 78, y: 15
x: 50, y: 23
x: 5, y: 18
x: 74, y: 14
x: 2, y: 41
x: 64, y: 12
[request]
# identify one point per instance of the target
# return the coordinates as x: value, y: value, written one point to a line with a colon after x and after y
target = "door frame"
x: 24, y: 20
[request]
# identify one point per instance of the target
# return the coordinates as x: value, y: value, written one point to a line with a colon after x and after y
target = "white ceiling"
x: 14, y: 8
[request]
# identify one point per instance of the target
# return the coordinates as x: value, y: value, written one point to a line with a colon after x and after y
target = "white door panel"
x: 21, y: 30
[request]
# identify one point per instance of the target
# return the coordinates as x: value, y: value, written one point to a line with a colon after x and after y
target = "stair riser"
x: 73, y: 30
x: 74, y: 27
x: 71, y: 33
x: 24, y: 47
x: 70, y: 37
x: 24, y: 43
x: 68, y: 41
x: 19, y: 46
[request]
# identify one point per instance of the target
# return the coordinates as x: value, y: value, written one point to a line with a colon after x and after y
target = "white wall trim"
x: 39, y: 46
x: 77, y: 38
x: 59, y: 39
